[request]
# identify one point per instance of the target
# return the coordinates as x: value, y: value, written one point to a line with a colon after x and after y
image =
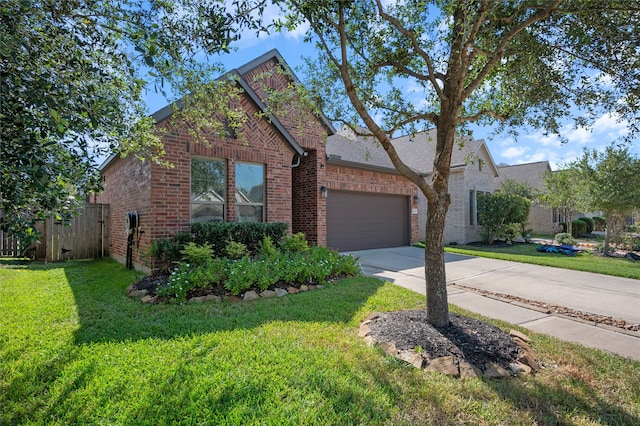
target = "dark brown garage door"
x: 359, y: 221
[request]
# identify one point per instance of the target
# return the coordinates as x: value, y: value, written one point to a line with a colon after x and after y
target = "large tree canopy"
x: 406, y: 65
x: 73, y: 79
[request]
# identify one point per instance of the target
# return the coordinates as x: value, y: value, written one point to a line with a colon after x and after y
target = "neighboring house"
x: 541, y: 218
x: 279, y: 173
x: 473, y: 171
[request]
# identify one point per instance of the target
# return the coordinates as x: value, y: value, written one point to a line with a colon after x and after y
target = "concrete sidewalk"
x: 587, y: 292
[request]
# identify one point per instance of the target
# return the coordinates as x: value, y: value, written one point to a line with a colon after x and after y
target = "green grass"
x: 74, y: 349
x: 526, y: 253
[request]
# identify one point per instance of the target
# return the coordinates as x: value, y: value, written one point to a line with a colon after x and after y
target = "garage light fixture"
x: 415, y: 199
x: 324, y: 191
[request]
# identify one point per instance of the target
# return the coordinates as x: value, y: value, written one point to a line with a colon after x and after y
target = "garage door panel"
x: 358, y: 221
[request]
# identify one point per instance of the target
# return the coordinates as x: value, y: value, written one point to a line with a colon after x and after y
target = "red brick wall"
x: 309, y: 208
x: 364, y: 180
x: 126, y: 188
x: 162, y: 195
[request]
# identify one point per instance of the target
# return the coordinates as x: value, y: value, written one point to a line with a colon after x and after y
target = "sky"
x: 528, y: 148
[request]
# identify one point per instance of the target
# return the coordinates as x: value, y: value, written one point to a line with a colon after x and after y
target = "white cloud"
x: 610, y: 125
x: 578, y: 135
x: 513, y: 152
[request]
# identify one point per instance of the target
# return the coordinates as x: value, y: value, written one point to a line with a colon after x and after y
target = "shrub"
x: 165, y: 252
x: 296, y: 243
x: 578, y: 227
x: 590, y: 224
x: 236, y: 250
x: 565, y: 238
x: 196, y: 255
x: 598, y: 223
x: 267, y: 248
x: 248, y: 233
x: 179, y: 284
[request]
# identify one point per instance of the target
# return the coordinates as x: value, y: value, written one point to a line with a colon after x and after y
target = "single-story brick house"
x: 279, y: 173
x: 339, y: 190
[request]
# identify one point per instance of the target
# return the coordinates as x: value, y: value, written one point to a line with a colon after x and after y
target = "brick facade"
x: 161, y: 195
x: 346, y: 178
x: 290, y: 145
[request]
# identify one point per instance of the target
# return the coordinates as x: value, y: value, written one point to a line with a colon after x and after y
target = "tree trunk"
x: 434, y: 269
x: 607, y: 231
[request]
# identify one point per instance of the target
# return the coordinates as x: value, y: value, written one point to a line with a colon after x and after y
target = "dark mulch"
x: 151, y: 283
x: 465, y: 338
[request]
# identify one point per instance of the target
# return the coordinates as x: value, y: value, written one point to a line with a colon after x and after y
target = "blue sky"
x: 528, y: 148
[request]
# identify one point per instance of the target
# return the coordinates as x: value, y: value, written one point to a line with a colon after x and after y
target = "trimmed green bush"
x: 164, y: 253
x: 590, y: 224
x: 578, y: 227
x: 248, y: 233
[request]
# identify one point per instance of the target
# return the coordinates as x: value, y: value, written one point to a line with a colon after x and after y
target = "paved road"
x: 583, y: 291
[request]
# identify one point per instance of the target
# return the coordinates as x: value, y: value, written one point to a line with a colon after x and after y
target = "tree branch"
x: 416, y: 46
x: 498, y: 51
x: 376, y: 131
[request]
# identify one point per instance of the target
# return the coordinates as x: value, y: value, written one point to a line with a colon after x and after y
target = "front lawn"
x: 527, y: 253
x: 74, y: 349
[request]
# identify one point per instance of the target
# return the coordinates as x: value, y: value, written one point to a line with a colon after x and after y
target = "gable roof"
x: 237, y: 75
x: 417, y: 151
x: 274, y: 54
x: 530, y: 173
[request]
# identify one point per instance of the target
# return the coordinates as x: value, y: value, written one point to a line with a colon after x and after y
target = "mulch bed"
x: 466, y: 339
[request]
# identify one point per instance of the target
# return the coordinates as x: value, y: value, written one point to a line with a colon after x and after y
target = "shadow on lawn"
x: 107, y: 314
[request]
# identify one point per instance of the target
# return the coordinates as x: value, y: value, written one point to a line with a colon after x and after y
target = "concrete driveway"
x: 583, y: 291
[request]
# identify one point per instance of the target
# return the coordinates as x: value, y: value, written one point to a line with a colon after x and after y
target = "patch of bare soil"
x: 466, y: 339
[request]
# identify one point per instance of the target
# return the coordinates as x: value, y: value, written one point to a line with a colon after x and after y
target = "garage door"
x: 359, y: 221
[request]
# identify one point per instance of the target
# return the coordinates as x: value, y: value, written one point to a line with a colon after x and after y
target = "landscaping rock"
x: 412, y: 357
x: 267, y: 294
x: 198, y: 299
x: 468, y: 371
x: 493, y: 370
x: 445, y: 365
x: 519, y: 335
x: 293, y: 290
x: 389, y: 348
x: 519, y: 368
x: 138, y: 293
x: 304, y: 287
x: 233, y: 299
x: 281, y: 292
x: 213, y: 297
x: 364, y: 330
x: 370, y: 341
x: 149, y: 299
x: 250, y: 295
x: 312, y: 287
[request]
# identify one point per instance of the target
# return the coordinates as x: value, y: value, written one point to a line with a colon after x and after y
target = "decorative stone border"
x: 145, y: 297
x: 527, y: 362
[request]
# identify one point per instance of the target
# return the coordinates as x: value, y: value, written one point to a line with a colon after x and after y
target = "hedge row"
x: 165, y: 252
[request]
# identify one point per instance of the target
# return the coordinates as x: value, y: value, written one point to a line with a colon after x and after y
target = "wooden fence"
x: 85, y: 237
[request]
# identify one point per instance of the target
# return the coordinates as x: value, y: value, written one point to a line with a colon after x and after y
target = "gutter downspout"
x: 304, y: 154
